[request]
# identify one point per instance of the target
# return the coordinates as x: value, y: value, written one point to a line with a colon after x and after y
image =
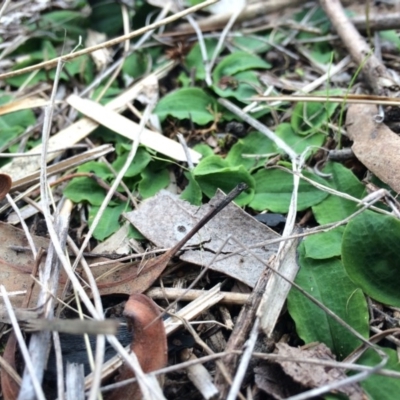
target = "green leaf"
x: 153, y: 180
x: 273, y: 191
x: 235, y: 76
x: 241, y: 86
x: 136, y: 64
x: 210, y: 165
x: 326, y: 280
x: 204, y: 149
x: 98, y: 168
x: 8, y: 134
x: 134, y: 233
x: 391, y: 36
x: 318, y: 19
x: 298, y: 143
x: 141, y: 160
x: 13, y: 124
x: 335, y: 208
x: 371, y: 255
x: 253, y: 44
x: 192, y: 192
x: 308, y: 117
x: 109, y: 222
x: 380, y: 387
x: 187, y: 103
x: 86, y: 189
x: 324, y: 245
x: 61, y: 23
x: 82, y: 66
x: 253, y: 144
x: 237, y: 62
x: 213, y: 173
x: 194, y: 59
x: 106, y: 17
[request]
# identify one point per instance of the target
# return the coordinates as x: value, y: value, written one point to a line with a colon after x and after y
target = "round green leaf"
x: 371, y: 255
x: 136, y: 64
x: 324, y: 245
x: 187, y: 103
x: 253, y: 144
x: 192, y: 192
x: 241, y: 86
x: 274, y: 187
x: 213, y: 173
x: 380, y: 387
x: 335, y: 208
x: 299, y: 143
x: 153, y: 180
x: 109, y: 222
x: 210, y: 164
x: 85, y: 189
x: 237, y: 62
x: 194, y: 60
x: 142, y: 158
x: 326, y: 280
x: 308, y: 117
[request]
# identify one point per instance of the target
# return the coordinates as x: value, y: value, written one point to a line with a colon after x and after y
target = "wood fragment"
x: 158, y: 293
x: 199, y: 376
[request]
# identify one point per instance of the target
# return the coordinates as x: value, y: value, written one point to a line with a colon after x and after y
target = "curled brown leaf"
x: 149, y: 343
x: 5, y: 185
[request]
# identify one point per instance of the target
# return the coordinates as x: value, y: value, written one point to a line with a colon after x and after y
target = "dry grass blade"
x: 73, y: 326
x: 120, y: 39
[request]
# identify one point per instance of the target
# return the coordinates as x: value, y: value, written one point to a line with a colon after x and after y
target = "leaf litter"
x: 165, y: 219
x: 224, y: 248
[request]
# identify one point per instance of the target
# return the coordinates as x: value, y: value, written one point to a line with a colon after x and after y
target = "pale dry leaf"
x: 101, y: 57
x: 129, y: 129
x: 375, y: 145
x: 23, y: 104
x: 162, y: 3
x: 223, y: 5
x: 21, y: 181
x: 313, y: 375
x: 165, y: 219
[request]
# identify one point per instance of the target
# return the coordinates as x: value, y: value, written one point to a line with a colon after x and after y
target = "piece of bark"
x: 314, y: 375
x: 165, y: 218
x: 375, y: 145
x: 9, y: 386
x: 149, y: 343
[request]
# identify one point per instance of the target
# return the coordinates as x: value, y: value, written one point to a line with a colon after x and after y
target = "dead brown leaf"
x: 313, y: 375
x: 165, y: 219
x: 16, y: 266
x: 375, y: 145
x: 149, y: 343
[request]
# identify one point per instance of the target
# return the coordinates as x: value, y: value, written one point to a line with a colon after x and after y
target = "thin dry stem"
x: 109, y: 43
